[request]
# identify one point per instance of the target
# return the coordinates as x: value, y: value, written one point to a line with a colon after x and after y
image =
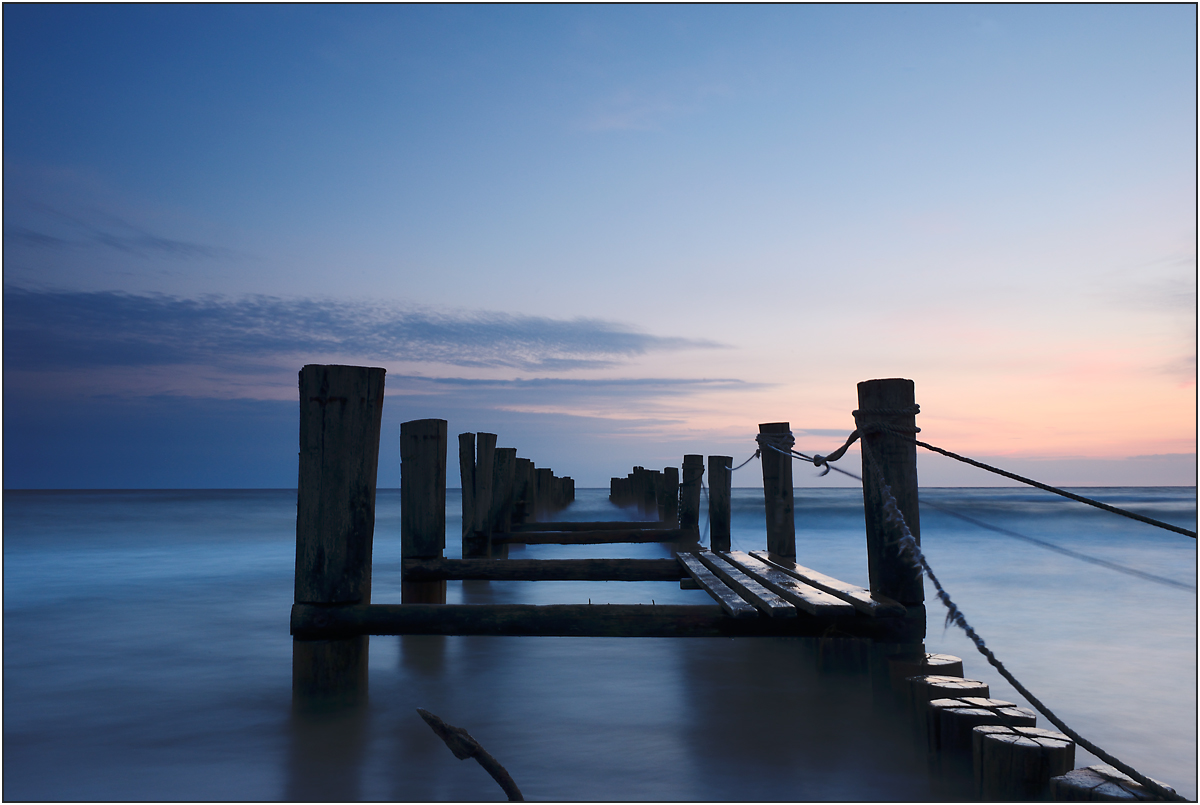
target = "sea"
x: 147, y: 657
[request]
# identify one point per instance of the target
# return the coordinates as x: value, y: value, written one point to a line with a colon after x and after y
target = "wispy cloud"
x: 71, y: 232
x: 66, y: 329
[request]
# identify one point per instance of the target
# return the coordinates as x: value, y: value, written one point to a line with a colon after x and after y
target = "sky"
x: 610, y: 234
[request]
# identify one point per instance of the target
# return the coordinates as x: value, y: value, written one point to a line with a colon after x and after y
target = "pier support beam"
x: 689, y: 492
x: 423, y: 502
x: 778, y: 493
x: 891, y: 403
x: 719, y: 490
x: 341, y: 408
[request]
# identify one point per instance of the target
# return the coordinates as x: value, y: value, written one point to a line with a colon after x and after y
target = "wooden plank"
x: 804, y: 596
x: 611, y: 525
x: 763, y: 599
x: 861, y: 599
x: 582, y: 620
x: 544, y: 569
x: 729, y: 600
x: 596, y: 537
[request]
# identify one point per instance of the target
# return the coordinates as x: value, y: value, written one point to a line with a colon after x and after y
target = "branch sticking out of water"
x: 464, y: 746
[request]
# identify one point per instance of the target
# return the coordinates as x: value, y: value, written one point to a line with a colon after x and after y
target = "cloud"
x: 74, y: 329
x: 134, y: 242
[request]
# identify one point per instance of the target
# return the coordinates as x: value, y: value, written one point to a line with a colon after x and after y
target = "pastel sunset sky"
x: 610, y: 234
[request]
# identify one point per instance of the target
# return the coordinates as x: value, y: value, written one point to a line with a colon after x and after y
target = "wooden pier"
x: 978, y: 747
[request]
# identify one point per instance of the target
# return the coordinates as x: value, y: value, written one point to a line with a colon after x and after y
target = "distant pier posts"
x: 891, y: 403
x: 720, y: 478
x: 778, y: 493
x: 689, y: 493
x: 423, y: 503
x: 341, y: 408
x: 668, y: 501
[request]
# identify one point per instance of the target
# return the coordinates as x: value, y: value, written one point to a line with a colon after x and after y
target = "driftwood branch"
x: 464, y: 746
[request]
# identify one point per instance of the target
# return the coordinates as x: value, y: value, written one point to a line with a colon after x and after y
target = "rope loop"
x: 786, y: 441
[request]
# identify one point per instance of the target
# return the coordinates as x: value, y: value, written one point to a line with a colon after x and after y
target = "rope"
x: 912, y: 551
x: 1074, y: 554
x: 757, y: 453
x: 873, y: 427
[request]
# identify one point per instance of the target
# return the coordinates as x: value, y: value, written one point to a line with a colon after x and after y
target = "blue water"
x: 147, y: 656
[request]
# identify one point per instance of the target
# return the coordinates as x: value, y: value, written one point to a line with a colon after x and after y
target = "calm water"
x: 147, y: 656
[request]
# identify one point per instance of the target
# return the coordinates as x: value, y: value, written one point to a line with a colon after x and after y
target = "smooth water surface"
x: 147, y: 656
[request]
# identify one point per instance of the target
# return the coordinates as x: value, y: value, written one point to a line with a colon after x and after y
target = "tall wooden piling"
x: 523, y: 490
x: 504, y: 479
x: 475, y: 543
x: 689, y: 492
x: 670, y: 496
x: 341, y: 408
x: 890, y: 403
x: 466, y: 474
x: 778, y: 494
x: 423, y: 503
x: 719, y: 490
x: 544, y: 491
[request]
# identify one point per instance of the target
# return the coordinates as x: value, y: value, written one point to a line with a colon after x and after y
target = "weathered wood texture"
x: 475, y: 543
x: 544, y: 569
x: 925, y: 688
x: 466, y: 475
x: 950, y: 723
x: 608, y: 620
x: 778, y: 494
x: 669, y: 501
x: 423, y: 501
x: 596, y: 537
x: 1016, y: 763
x: 859, y: 598
x: 523, y: 491
x: 719, y: 490
x: 607, y: 525
x: 886, y: 402
x: 801, y: 595
x: 729, y: 599
x: 330, y: 672
x: 504, y: 479
x: 542, y: 480
x: 1100, y: 783
x: 689, y: 492
x: 902, y: 667
x: 340, y: 414
x: 763, y: 599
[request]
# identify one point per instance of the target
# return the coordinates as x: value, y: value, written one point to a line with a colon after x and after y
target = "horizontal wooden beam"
x: 315, y: 621
x: 599, y: 537
x: 543, y: 569
x: 593, y: 526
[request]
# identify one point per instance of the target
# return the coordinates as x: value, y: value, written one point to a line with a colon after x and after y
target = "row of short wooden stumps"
x: 981, y: 746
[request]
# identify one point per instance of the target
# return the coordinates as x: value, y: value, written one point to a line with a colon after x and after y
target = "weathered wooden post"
x: 719, y: 490
x: 670, y: 515
x: 423, y: 503
x: 503, y: 481
x: 1016, y: 763
x: 475, y: 543
x: 890, y: 403
x: 778, y: 494
x: 544, y: 492
x: 341, y: 408
x: 523, y: 491
x: 689, y: 493
x: 466, y: 474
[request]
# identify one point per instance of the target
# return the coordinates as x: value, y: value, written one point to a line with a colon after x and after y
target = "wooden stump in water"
x: 950, y: 723
x: 925, y: 688
x: 1016, y: 763
x: 689, y: 492
x: 778, y: 494
x: 719, y: 478
x: 423, y: 503
x: 902, y: 667
x: 1100, y: 783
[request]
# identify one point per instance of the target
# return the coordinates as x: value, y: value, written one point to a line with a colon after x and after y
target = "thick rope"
x: 874, y: 426
x: 757, y: 453
x: 912, y: 551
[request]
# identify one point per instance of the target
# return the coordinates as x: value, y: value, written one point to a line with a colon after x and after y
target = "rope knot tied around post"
x: 780, y: 441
